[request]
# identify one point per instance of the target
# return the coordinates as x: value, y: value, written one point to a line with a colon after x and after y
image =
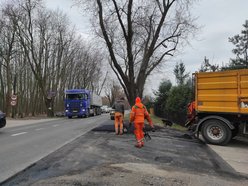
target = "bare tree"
x: 7, y: 50
x: 41, y: 55
x: 39, y: 40
x: 207, y: 67
x: 140, y: 35
x: 113, y: 91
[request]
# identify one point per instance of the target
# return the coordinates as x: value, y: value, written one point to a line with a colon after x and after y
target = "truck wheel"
x: 69, y: 117
x: 216, y: 132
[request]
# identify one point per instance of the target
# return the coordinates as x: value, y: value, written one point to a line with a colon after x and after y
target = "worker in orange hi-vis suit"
x: 119, y: 115
x: 138, y: 116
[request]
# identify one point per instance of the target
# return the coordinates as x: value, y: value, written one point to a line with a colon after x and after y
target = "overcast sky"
x: 219, y: 19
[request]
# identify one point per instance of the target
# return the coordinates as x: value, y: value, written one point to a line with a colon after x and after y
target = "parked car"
x: 109, y: 109
x: 112, y: 114
x: 60, y: 114
x: 105, y: 109
x: 2, y: 119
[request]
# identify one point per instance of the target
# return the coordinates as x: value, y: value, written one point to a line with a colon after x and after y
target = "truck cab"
x: 77, y: 103
x: 82, y: 103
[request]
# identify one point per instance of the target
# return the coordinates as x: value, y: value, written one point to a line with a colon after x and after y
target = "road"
x: 99, y: 157
x: 21, y: 146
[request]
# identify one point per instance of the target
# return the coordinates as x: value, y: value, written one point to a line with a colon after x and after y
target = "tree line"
x: 240, y: 50
x: 41, y: 55
x: 171, y: 101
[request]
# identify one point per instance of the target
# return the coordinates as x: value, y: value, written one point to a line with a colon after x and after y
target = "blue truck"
x: 82, y: 103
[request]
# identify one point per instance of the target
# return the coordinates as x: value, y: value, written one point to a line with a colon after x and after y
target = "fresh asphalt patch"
x: 91, y: 158
x: 127, y: 129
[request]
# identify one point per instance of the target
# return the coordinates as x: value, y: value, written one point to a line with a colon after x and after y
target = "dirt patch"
x: 137, y: 174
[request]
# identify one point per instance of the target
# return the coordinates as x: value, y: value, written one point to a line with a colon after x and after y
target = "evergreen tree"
x: 161, y: 99
x: 171, y: 102
x: 179, y: 72
x: 241, y: 49
x: 178, y: 99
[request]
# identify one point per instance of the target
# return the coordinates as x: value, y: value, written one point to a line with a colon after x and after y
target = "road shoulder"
x: 26, y: 121
x: 235, y: 154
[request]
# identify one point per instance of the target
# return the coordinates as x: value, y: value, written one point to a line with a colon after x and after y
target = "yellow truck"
x: 220, y: 108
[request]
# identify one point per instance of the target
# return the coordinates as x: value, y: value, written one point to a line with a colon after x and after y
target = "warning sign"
x: 13, y: 97
x: 13, y: 100
x: 13, y: 103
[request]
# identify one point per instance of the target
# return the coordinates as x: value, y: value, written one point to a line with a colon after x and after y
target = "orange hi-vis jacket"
x: 139, y: 114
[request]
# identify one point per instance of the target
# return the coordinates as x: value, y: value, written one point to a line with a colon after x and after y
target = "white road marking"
x: 55, y: 125
x: 17, y: 134
x: 39, y: 129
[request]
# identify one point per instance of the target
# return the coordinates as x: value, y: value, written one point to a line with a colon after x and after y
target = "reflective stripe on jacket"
x: 139, y: 114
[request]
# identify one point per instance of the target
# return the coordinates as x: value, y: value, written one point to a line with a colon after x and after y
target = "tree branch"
x: 120, y: 20
x: 109, y: 44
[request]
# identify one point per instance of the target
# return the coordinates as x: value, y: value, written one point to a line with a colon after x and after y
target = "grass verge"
x: 158, y: 121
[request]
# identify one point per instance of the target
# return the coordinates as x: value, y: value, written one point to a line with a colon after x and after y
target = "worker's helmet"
x: 137, y: 100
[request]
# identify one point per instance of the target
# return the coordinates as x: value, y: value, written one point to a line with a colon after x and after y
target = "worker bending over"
x: 119, y: 115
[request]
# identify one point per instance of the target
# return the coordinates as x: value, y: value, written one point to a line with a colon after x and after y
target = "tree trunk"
x: 2, y: 93
x: 50, y: 107
x: 9, y: 88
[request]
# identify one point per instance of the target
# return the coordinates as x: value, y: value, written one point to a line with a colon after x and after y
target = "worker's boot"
x: 142, y: 143
x: 121, y: 131
x: 138, y: 145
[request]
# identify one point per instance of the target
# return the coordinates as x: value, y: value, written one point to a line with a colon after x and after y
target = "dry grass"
x: 158, y: 121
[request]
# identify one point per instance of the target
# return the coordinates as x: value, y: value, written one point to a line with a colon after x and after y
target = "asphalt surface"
x: 101, y: 158
x: 23, y: 145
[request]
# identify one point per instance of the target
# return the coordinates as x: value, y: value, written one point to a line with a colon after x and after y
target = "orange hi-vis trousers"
x: 139, y: 134
x: 118, y: 120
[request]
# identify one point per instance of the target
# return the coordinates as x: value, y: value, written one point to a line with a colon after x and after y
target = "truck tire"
x: 216, y: 132
x: 69, y: 117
